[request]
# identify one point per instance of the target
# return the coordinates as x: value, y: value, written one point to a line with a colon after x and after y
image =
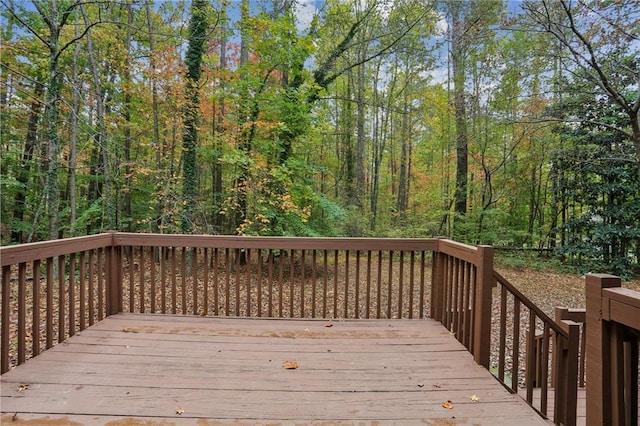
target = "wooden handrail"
x: 559, y: 338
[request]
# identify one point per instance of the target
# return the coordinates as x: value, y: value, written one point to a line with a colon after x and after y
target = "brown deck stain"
x: 15, y: 419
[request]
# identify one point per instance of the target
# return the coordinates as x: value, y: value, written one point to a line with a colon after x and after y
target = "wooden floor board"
x: 161, y: 369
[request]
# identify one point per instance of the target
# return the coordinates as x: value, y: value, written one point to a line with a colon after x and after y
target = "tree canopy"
x: 504, y: 123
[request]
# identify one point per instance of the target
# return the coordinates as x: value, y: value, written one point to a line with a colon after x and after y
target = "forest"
x: 514, y: 124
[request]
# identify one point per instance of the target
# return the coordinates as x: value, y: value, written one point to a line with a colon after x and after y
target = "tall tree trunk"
x: 73, y: 139
x: 156, y: 143
x: 22, y: 174
x: 193, y: 60
x: 458, y: 52
x: 128, y: 85
x: 101, y: 137
x: 218, y: 129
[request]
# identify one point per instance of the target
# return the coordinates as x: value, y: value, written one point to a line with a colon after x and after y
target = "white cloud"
x: 305, y: 11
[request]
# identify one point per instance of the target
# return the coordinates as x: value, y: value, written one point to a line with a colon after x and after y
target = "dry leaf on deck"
x: 328, y: 324
x: 475, y: 398
x: 448, y: 405
x: 23, y: 387
x: 180, y: 411
x: 290, y: 365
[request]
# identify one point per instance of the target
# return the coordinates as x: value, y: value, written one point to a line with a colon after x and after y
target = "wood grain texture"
x: 162, y: 369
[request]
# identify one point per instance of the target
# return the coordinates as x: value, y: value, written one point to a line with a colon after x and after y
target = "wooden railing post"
x: 482, y: 309
x: 565, y: 374
x: 436, y: 306
x: 114, y: 278
x: 598, y: 357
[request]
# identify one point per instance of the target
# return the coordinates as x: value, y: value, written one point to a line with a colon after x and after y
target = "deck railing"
x: 54, y: 289
x: 613, y: 336
x: 536, y: 354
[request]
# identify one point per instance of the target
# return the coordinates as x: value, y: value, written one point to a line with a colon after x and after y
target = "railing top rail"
x: 529, y: 304
x: 621, y: 305
x: 460, y: 250
x: 11, y: 255
x: 299, y: 243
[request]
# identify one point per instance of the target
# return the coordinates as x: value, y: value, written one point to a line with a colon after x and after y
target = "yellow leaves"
x: 290, y: 365
x: 475, y: 398
x: 448, y: 405
x: 180, y: 411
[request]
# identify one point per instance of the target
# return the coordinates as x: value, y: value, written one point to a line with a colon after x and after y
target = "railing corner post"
x: 114, y: 279
x: 437, y: 285
x: 598, y: 357
x: 482, y: 321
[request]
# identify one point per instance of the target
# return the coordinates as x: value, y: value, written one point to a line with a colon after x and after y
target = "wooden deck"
x: 161, y: 369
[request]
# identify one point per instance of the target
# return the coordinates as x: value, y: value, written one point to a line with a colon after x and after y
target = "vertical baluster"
x: 141, y: 286
x: 390, y: 285
x: 280, y: 284
x: 72, y: 294
x: 163, y: 279
x: 379, y: 289
x: 530, y: 356
x: 174, y: 284
x: 101, y: 271
x: 325, y: 282
x: 335, y: 283
x: 49, y: 303
x: 516, y: 345
x: 314, y: 282
x: 35, y: 332
x: 259, y: 281
x: 83, y: 291
x: 292, y: 267
x: 368, y: 295
x: 91, y: 289
x: 357, y: 284
x: 346, y: 283
x: 270, y: 288
x: 132, y: 269
x: 205, y: 279
x: 22, y: 312
x: 152, y: 278
x: 227, y: 281
x: 422, y: 281
x: 412, y: 260
x: 216, y: 295
x: 248, y: 274
x: 61, y: 299
x: 401, y: 284
x: 544, y: 385
x: 183, y: 279
x: 194, y: 278
x: 237, y: 281
x: 503, y: 333
x: 302, y: 282
x: 6, y: 303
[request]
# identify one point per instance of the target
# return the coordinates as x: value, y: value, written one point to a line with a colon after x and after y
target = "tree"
x: 600, y: 39
x: 198, y: 27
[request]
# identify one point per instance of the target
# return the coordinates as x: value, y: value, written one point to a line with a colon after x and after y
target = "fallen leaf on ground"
x: 475, y: 398
x: 448, y: 405
x: 290, y: 365
x: 129, y: 330
x: 180, y: 411
x: 23, y: 387
x: 420, y: 385
x: 437, y: 385
x: 328, y: 324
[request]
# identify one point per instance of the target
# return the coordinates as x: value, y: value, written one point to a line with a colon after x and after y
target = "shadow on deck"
x: 161, y: 369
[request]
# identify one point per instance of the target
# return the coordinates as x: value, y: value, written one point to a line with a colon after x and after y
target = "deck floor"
x: 159, y: 369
